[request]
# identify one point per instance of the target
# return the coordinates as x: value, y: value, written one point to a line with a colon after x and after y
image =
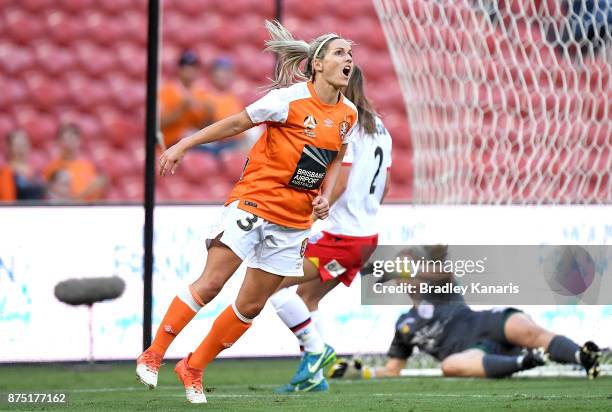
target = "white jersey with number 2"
x: 354, y: 213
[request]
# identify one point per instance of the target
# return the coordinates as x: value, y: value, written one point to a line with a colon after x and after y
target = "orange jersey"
x: 287, y: 165
x: 8, y: 191
x: 224, y: 105
x: 170, y: 98
x: 82, y: 173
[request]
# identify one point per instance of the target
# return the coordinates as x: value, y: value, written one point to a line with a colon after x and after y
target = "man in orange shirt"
x: 85, y: 182
x: 184, y: 106
x: 223, y: 102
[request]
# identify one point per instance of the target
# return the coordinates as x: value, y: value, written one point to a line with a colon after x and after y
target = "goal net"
x: 508, y: 101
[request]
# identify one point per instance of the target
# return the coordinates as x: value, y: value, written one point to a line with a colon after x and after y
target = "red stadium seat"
x: 93, y: 60
x: 42, y: 128
x: 104, y: 30
x: 116, y: 194
x: 116, y: 6
x: 15, y: 92
x: 178, y: 189
x: 132, y: 60
x: 36, y: 6
x: 190, y: 8
x: 76, y: 6
x: 199, y: 168
x: 20, y: 61
x: 48, y: 95
x: 100, y: 151
x: 233, y: 164
x: 64, y: 28
x: 21, y: 27
x: 90, y: 126
x: 133, y: 187
x: 136, y: 22
x: 118, y: 164
x: 120, y: 132
x: 219, y: 190
x: 54, y: 60
x: 309, y: 10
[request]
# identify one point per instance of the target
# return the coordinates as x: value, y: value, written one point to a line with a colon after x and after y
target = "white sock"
x: 186, y: 295
x: 317, y: 319
x: 293, y: 312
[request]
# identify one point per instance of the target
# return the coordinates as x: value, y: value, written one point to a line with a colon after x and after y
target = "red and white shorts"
x: 339, y: 256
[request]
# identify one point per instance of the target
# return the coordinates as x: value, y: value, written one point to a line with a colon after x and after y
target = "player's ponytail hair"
x: 355, y: 92
x: 292, y: 53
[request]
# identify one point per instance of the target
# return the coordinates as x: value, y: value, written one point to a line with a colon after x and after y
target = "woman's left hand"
x: 320, y: 207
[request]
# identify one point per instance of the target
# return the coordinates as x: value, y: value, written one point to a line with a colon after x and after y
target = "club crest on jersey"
x: 309, y: 125
x: 344, y: 127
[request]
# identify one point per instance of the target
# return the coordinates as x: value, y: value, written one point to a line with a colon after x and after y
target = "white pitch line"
x: 517, y: 396
x: 229, y: 386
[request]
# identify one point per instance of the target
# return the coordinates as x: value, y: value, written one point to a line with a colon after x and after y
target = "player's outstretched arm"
x: 222, y: 129
x: 392, y: 369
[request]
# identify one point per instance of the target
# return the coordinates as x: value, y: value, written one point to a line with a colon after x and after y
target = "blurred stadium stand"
x: 84, y: 61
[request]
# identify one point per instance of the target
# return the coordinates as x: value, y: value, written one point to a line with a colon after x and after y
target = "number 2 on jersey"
x: 377, y: 153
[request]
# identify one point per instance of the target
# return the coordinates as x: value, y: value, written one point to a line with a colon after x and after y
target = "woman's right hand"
x: 169, y: 160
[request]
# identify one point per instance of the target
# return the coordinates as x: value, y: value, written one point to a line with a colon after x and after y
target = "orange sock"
x: 225, y: 331
x: 182, y: 309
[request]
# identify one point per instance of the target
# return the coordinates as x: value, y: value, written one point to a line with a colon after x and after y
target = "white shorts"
x: 263, y: 245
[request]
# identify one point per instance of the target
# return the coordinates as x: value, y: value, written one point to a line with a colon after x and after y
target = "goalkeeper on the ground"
x: 489, y: 343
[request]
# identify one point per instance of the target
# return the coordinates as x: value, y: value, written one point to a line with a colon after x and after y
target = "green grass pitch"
x: 236, y: 385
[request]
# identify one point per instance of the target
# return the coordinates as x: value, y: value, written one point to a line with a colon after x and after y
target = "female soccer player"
x: 335, y: 255
x: 268, y: 214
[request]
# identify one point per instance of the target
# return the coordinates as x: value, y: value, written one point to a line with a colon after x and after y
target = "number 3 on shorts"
x: 250, y: 221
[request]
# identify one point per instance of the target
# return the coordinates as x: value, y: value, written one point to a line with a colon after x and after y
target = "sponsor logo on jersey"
x: 328, y: 122
x: 309, y: 125
x: 311, y: 168
x: 249, y: 203
x: 334, y: 268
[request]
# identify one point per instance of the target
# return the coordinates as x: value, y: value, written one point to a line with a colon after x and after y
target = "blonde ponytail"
x: 292, y: 53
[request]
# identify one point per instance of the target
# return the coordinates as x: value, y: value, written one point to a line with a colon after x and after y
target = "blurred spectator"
x: 85, y: 182
x: 18, y: 180
x: 183, y: 105
x: 223, y: 102
x: 590, y: 20
x: 59, y: 187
